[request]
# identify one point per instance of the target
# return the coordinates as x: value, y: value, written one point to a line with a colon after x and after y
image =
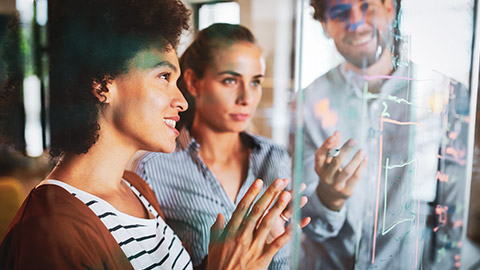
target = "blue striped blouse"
x: 191, y: 197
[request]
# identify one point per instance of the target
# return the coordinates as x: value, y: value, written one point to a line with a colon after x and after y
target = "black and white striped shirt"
x: 147, y: 243
x: 191, y: 197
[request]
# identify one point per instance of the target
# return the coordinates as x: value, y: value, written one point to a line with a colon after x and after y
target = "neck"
x: 382, y: 67
x: 218, y: 146
x: 99, y: 170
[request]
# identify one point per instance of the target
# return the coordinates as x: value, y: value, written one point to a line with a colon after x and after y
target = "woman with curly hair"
x: 113, y: 92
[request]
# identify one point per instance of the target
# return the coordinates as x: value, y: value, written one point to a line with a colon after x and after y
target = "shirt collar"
x: 357, y: 81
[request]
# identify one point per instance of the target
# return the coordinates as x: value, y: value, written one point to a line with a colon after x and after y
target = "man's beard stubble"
x: 365, y: 60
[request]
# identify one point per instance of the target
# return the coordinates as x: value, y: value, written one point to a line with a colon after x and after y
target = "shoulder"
x: 149, y: 157
x: 322, y: 87
x: 50, y: 209
x: 144, y: 189
x: 50, y: 227
x: 332, y: 76
x: 51, y: 200
x: 268, y: 147
x: 157, y: 159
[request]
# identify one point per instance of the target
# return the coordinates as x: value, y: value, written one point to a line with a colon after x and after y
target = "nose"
x: 179, y: 102
x: 245, y: 95
x: 357, y: 17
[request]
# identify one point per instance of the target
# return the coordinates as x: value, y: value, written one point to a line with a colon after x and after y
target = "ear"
x: 101, y: 89
x: 390, y: 9
x: 191, y: 81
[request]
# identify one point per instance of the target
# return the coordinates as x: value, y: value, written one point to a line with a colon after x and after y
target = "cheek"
x: 158, y: 104
x: 257, y: 98
x: 216, y: 100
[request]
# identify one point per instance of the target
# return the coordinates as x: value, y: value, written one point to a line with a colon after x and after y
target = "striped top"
x: 147, y: 243
x: 191, y: 197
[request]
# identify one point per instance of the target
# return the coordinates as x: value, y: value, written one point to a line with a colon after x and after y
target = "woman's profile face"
x: 145, y: 102
x: 228, y: 94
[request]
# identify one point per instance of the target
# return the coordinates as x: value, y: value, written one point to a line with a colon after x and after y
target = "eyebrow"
x: 336, y: 9
x: 166, y: 63
x: 233, y: 73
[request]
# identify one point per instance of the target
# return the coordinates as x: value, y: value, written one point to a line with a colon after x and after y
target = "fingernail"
x: 352, y: 142
x: 278, y: 183
x: 258, y: 183
x: 331, y: 140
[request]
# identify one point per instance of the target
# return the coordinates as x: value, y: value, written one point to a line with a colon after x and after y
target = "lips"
x: 171, y: 122
x: 360, y: 39
x: 239, y: 116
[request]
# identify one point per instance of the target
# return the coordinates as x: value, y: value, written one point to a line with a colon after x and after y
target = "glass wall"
x: 382, y: 131
x: 374, y: 100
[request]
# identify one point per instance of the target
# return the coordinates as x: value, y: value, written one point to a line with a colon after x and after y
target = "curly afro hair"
x: 91, y: 41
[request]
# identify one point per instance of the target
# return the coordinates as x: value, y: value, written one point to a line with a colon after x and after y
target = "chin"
x: 164, y: 147
x: 170, y: 150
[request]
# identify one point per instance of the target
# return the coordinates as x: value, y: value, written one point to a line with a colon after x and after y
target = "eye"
x: 256, y: 82
x: 341, y: 15
x: 229, y: 81
x: 365, y: 6
x: 165, y: 76
x: 340, y: 12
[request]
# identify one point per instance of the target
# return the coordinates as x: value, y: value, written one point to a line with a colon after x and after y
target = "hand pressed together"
x: 243, y: 243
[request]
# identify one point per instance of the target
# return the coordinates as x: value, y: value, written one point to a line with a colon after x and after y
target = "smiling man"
x: 381, y: 107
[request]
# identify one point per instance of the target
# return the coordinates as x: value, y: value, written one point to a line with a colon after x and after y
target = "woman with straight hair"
x: 216, y: 160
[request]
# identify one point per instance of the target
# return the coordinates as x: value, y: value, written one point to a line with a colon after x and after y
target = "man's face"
x: 359, y: 28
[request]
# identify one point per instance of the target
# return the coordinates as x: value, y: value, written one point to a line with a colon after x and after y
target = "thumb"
x: 331, y: 142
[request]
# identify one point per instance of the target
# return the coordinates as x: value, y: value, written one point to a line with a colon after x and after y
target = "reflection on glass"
x: 399, y: 112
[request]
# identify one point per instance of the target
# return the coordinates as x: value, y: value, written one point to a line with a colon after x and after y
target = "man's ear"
x: 101, y: 89
x: 390, y: 9
x: 191, y: 82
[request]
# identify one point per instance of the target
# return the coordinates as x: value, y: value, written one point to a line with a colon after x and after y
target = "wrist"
x: 329, y: 201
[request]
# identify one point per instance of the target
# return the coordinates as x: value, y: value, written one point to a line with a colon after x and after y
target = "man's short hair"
x: 320, y: 7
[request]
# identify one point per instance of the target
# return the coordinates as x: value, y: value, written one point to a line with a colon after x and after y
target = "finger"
x: 304, y: 222
x: 303, y: 186
x: 287, y: 213
x: 272, y: 248
x: 303, y: 201
x: 301, y: 189
x: 285, y: 184
x: 268, y: 221
x: 352, y: 182
x: 349, y: 170
x: 243, y: 206
x: 337, y: 162
x: 217, y: 229
x: 262, y: 206
x: 331, y: 142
